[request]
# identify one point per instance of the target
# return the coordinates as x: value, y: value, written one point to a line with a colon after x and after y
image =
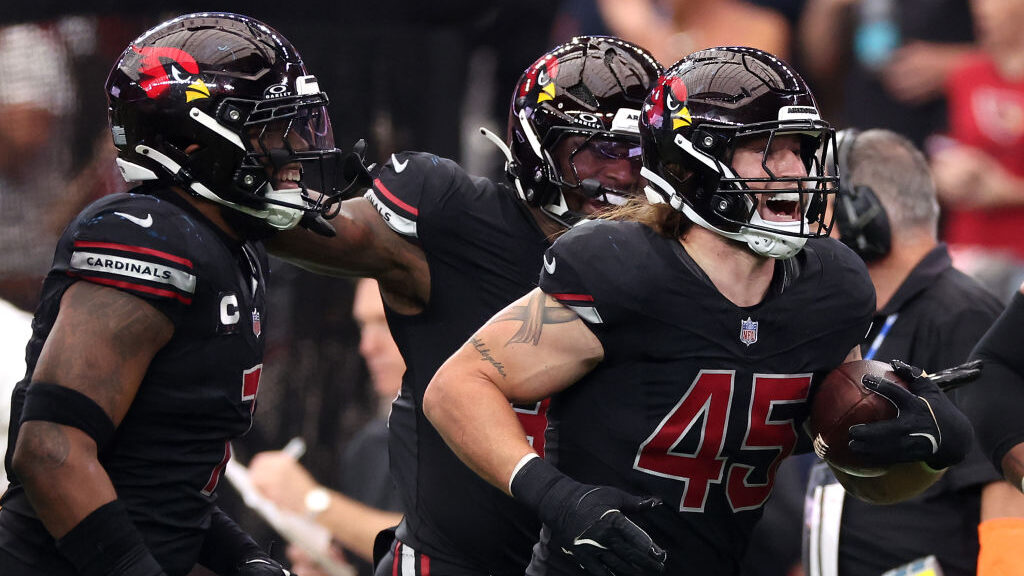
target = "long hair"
x: 662, y: 218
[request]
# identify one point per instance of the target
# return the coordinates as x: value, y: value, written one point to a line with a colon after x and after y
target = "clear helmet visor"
x: 294, y: 145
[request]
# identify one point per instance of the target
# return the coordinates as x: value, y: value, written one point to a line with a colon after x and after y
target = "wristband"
x: 522, y: 462
x: 999, y: 540
x: 539, y: 485
x: 63, y: 405
x: 106, y: 543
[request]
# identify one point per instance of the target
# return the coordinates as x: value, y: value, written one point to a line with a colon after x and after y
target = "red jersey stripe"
x: 398, y: 202
x: 132, y: 286
x: 136, y: 249
x: 398, y: 558
x: 574, y: 297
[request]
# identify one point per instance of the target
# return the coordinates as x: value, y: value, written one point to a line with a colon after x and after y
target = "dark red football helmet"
x: 212, y: 102
x: 591, y: 86
x: 690, y: 126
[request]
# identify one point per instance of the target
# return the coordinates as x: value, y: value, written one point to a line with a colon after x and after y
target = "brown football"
x: 841, y: 401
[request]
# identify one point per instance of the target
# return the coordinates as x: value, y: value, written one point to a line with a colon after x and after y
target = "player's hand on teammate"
x: 589, y: 522
x: 262, y: 566
x: 928, y: 428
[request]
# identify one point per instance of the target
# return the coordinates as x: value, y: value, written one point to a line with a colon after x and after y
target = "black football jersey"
x: 199, y: 392
x: 484, y: 251
x: 697, y: 400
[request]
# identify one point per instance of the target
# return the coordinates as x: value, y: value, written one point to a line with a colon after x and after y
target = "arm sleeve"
x: 953, y: 340
x: 993, y: 401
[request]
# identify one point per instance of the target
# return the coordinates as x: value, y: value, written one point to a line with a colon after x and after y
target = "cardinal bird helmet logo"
x: 163, y: 69
x: 541, y: 77
x: 669, y: 96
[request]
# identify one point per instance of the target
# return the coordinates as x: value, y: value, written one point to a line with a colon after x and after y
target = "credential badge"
x: 748, y: 331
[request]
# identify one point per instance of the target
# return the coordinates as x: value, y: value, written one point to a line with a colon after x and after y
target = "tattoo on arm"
x: 533, y: 317
x: 485, y: 354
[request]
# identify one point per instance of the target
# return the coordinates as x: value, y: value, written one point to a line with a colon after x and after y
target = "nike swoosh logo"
x: 144, y: 222
x: 399, y: 166
x: 549, y: 266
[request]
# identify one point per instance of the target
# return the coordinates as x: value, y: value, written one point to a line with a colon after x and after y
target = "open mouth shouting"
x: 780, y: 207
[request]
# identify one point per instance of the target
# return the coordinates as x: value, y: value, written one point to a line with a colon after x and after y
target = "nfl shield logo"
x: 257, y: 328
x: 748, y: 331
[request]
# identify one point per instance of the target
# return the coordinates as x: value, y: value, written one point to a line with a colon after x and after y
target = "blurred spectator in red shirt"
x: 979, y: 169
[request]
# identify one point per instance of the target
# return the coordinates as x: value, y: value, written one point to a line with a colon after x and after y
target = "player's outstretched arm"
x: 364, y: 246
x: 86, y: 378
x: 530, y: 350
x: 525, y: 353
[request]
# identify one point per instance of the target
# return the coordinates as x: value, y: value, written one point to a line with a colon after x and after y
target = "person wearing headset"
x: 929, y: 315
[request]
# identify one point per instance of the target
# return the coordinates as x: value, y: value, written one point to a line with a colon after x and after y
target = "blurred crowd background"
x: 410, y: 75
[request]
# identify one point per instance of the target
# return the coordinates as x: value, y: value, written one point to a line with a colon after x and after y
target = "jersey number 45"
x: 704, y: 411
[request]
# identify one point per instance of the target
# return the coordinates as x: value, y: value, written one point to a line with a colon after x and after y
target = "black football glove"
x: 589, y: 522
x: 928, y: 427
x: 947, y: 379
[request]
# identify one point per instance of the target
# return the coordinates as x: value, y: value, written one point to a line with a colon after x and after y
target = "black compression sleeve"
x: 226, y: 546
x: 1004, y: 341
x: 992, y: 403
x: 993, y: 406
x: 106, y: 543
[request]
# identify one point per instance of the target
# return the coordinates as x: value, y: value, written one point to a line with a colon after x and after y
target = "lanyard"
x: 824, y: 499
x: 877, y: 342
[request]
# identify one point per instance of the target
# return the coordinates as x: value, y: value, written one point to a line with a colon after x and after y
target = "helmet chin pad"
x: 771, y: 244
x: 761, y: 241
x: 283, y: 216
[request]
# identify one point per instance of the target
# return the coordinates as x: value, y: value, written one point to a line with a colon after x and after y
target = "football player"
x: 450, y: 250
x: 147, y: 348
x: 679, y: 341
x: 993, y: 404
